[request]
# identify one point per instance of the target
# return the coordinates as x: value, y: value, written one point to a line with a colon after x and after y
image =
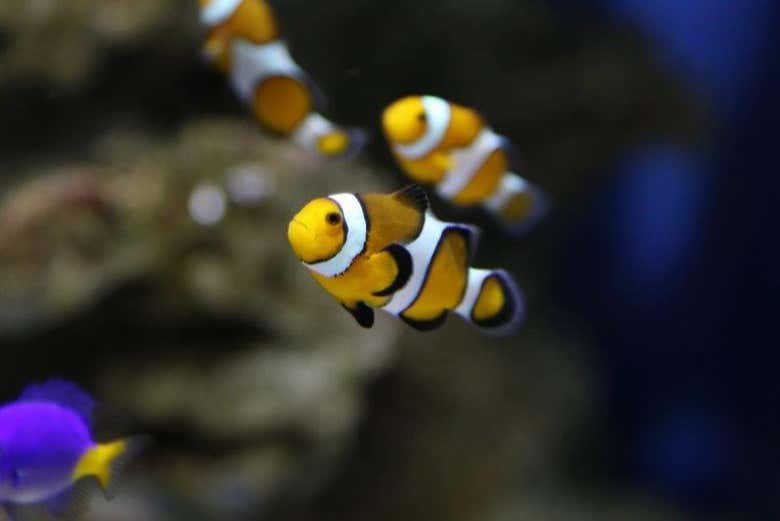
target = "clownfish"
x: 388, y: 251
x: 450, y: 146
x: 243, y: 41
x: 48, y: 453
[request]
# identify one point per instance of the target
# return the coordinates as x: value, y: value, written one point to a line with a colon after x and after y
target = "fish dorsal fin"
x: 63, y: 393
x: 413, y: 196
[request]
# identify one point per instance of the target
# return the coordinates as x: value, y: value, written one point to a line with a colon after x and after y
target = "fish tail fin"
x: 342, y: 143
x: 356, y: 140
x: 326, y: 139
x: 106, y: 461
x: 492, y: 301
x: 518, y: 204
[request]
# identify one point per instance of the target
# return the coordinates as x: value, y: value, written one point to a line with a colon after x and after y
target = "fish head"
x: 318, y: 232
x: 405, y: 121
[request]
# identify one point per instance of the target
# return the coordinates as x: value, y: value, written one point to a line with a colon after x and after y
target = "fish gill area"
x: 143, y: 254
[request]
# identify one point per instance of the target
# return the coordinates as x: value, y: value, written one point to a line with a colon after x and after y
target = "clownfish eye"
x: 333, y: 218
x: 422, y: 117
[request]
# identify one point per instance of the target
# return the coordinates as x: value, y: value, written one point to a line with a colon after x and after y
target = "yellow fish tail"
x: 341, y: 143
x: 492, y: 301
x: 517, y: 203
x: 105, y: 463
x: 329, y: 140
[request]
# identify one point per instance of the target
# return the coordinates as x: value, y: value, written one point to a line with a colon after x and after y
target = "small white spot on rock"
x: 249, y: 185
x: 207, y: 204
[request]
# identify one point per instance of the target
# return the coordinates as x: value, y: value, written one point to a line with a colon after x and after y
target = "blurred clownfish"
x: 48, y: 455
x: 450, y: 146
x: 390, y: 252
x: 243, y: 41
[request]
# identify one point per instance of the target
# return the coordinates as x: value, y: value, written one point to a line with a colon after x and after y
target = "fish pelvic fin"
x: 106, y: 461
x: 362, y: 313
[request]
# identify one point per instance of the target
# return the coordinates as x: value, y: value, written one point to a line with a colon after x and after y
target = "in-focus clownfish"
x: 48, y: 452
x: 243, y: 41
x: 450, y: 146
x: 388, y: 251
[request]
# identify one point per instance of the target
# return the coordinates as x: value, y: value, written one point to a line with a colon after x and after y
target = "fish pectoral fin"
x: 442, y: 161
x: 363, y: 314
x: 402, y: 260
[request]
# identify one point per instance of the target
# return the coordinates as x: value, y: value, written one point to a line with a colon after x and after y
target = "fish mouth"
x: 300, y: 223
x: 300, y: 235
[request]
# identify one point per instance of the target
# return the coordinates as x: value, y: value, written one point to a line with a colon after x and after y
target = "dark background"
x: 644, y: 384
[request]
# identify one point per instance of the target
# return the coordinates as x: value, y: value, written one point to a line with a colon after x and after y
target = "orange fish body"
x: 450, y: 146
x: 244, y: 42
x: 388, y: 251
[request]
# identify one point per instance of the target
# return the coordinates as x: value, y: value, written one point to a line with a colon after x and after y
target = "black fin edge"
x: 471, y: 234
x: 438, y: 321
x: 509, y: 313
x: 415, y: 196
x: 404, y: 262
x: 363, y: 314
x: 426, y: 325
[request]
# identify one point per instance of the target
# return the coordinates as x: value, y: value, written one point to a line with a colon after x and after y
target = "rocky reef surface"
x: 160, y: 277
x: 165, y: 273
x: 63, y: 43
